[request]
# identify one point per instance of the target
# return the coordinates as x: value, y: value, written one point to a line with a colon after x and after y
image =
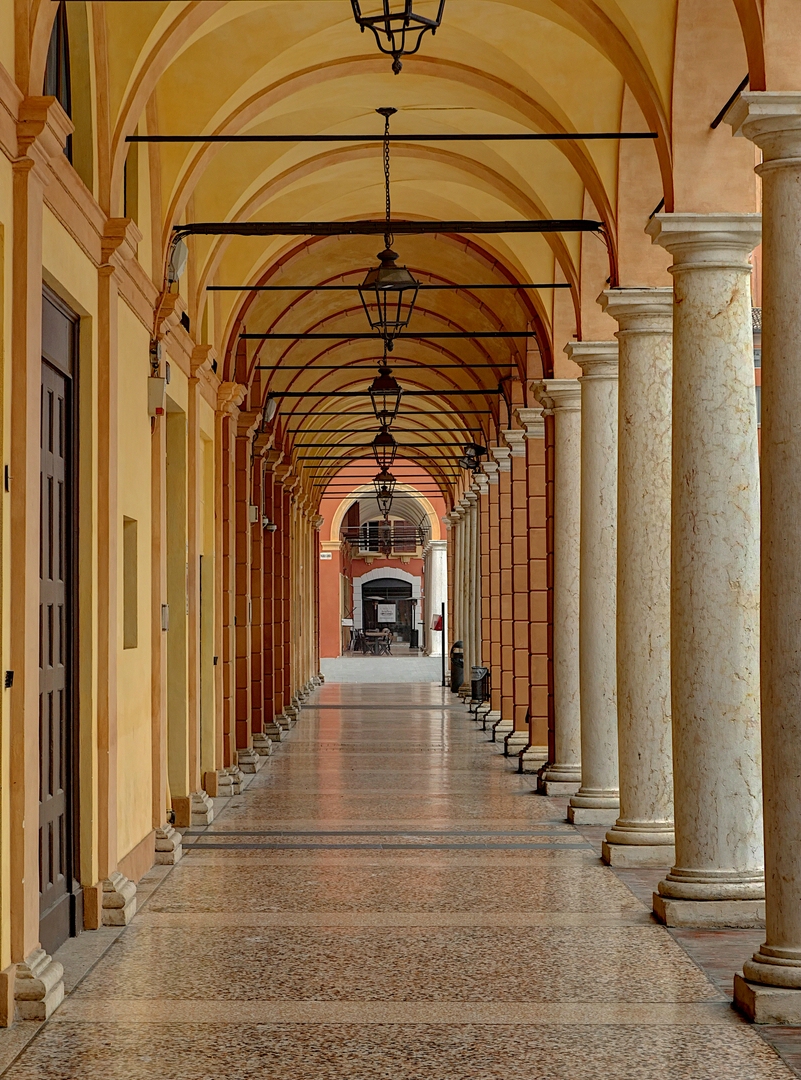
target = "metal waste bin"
x: 457, y: 666
x: 479, y: 684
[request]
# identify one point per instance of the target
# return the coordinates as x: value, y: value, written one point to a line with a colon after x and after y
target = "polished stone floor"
x: 388, y: 900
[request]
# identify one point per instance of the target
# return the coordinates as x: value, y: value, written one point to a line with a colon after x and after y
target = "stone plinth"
x: 38, y: 986
x: 169, y: 847
x: 710, y: 914
x: 119, y: 900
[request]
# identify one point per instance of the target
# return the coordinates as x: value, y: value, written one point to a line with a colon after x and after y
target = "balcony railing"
x: 375, y: 537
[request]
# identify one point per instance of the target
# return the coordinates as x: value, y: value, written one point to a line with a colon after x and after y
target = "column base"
x: 262, y: 744
x: 169, y: 847
x: 533, y: 758
x: 291, y: 712
x: 767, y: 1004
x: 591, y: 815
x: 500, y: 729
x: 321, y: 678
x: 249, y: 761
x: 550, y: 785
x: 282, y: 722
x: 38, y: 986
x: 710, y: 914
x: 229, y: 781
x: 514, y: 743
x: 273, y: 731
x: 201, y: 809
x: 629, y: 856
x: 119, y: 900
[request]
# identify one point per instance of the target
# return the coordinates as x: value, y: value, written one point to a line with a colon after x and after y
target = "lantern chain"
x: 388, y: 237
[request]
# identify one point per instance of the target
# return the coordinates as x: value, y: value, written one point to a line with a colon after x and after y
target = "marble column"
x: 597, y: 800
x: 717, y: 878
x: 457, y: 532
x: 643, y: 833
x: 517, y: 739
x: 562, y: 397
x: 436, y: 566
x: 472, y: 583
x: 772, y: 992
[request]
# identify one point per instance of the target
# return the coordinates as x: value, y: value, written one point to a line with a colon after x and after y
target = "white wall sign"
x: 326, y: 555
x: 387, y: 613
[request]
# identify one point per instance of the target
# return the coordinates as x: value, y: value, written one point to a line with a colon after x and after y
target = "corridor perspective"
x: 400, y: 539
x: 376, y: 905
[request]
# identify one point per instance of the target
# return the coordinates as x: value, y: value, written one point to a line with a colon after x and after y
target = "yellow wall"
x: 134, y: 694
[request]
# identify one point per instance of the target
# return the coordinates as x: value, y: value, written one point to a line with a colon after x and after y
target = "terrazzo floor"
x: 387, y: 900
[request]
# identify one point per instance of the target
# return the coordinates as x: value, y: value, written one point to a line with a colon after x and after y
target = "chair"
x: 385, y: 644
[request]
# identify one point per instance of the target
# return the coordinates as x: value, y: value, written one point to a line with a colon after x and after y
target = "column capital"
x: 201, y: 359
x: 470, y: 498
x: 516, y: 441
x: 230, y: 396
x: 490, y: 470
x: 533, y: 420
x: 435, y: 545
x: 639, y: 311
x: 564, y: 394
x: 597, y: 359
x: 707, y: 241
x: 480, y: 484
x: 772, y: 120
x: 247, y: 422
x: 121, y: 237
x: 42, y: 130
x: 502, y: 455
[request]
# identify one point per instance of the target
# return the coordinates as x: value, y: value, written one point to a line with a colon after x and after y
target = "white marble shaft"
x: 714, y: 560
x: 436, y: 578
x: 597, y: 800
x: 773, y: 121
x: 645, y: 318
x: 562, y: 397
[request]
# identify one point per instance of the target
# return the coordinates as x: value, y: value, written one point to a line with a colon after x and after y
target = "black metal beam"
x: 434, y: 334
x: 428, y: 412
x: 355, y: 288
x: 374, y: 360
x: 470, y: 136
x: 379, y: 228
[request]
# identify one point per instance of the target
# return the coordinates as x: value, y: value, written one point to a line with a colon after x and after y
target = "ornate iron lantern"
x: 398, y: 29
x: 385, y: 393
x: 384, y: 448
x: 388, y: 292
x: 384, y: 484
x: 471, y: 459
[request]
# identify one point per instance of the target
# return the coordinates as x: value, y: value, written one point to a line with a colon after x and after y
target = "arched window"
x: 57, y: 72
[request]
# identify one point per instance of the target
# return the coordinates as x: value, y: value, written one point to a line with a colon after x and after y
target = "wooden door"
x: 59, y: 897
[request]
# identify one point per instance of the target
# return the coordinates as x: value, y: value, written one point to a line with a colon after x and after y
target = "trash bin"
x: 479, y: 684
x: 457, y: 666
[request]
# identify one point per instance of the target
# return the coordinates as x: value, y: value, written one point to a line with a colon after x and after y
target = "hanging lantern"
x: 384, y: 448
x: 388, y: 292
x: 398, y: 29
x: 471, y: 459
x: 384, y: 484
x: 385, y: 394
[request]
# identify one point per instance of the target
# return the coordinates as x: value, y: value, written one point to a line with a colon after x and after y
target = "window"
x: 130, y: 584
x: 57, y: 73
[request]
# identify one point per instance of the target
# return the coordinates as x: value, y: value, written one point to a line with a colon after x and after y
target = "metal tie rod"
x: 378, y: 228
x: 361, y: 393
x: 356, y: 288
x: 468, y: 136
x: 406, y: 335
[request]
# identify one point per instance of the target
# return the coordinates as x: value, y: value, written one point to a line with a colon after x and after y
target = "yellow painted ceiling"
x: 301, y: 66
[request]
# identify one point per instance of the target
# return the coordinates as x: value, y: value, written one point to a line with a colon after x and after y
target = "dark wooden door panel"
x: 56, y: 706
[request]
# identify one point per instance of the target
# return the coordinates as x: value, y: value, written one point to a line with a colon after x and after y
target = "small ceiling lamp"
x: 384, y: 484
x: 388, y: 291
x: 398, y: 29
x: 385, y: 394
x: 384, y: 448
x: 471, y: 459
